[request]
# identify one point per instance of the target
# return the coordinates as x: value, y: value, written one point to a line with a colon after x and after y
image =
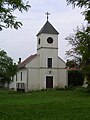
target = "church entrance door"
x: 49, y: 81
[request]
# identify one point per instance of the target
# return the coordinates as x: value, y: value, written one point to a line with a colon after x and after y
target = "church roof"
x: 48, y: 28
x: 26, y: 61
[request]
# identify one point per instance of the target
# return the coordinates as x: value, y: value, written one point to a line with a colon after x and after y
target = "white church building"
x: 45, y: 69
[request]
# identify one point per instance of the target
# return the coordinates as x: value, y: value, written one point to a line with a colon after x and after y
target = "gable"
x: 34, y: 63
x: 26, y: 61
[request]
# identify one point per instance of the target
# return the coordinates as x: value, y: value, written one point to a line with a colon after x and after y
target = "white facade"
x: 45, y: 69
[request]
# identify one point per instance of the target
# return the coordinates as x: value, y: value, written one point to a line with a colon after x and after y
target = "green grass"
x: 45, y: 105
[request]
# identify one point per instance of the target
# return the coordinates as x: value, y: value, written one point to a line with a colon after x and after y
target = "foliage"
x: 7, y: 68
x: 75, y: 78
x: 7, y: 8
x: 45, y: 105
x: 72, y: 64
x: 80, y: 50
x: 80, y: 41
x: 80, y: 4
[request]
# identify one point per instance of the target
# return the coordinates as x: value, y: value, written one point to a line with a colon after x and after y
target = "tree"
x: 7, y: 68
x: 80, y: 50
x: 7, y: 7
x: 80, y: 41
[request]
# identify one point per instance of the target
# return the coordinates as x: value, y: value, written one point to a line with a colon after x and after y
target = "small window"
x: 49, y: 63
x: 21, y: 76
x: 39, y: 41
x: 16, y: 76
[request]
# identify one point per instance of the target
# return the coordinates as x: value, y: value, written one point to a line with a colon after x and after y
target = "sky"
x: 22, y: 43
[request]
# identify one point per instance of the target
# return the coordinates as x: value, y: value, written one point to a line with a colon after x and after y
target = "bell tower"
x: 47, y: 44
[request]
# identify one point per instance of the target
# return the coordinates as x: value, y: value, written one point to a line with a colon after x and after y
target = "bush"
x: 75, y: 78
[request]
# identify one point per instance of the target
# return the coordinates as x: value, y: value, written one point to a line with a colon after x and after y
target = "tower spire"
x: 47, y: 15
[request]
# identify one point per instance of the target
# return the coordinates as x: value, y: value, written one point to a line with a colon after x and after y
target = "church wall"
x: 24, y: 75
x: 18, y: 79
x: 45, y: 54
x: 33, y: 79
x: 62, y: 78
x: 48, y: 72
x: 34, y: 73
x: 37, y: 78
x: 35, y: 63
x: 61, y: 63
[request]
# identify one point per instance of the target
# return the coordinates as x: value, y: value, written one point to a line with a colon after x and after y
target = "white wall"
x: 47, y: 72
x: 34, y: 73
x: 34, y: 63
x: 45, y: 54
x: 61, y: 63
x: 62, y: 78
x: 43, y: 41
x: 34, y: 79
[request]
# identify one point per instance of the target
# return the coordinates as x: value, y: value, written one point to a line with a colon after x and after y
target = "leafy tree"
x: 80, y: 50
x: 7, y: 7
x: 80, y: 41
x: 7, y: 68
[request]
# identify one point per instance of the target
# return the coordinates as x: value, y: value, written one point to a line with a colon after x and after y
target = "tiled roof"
x: 27, y: 60
x: 48, y: 28
x: 73, y: 68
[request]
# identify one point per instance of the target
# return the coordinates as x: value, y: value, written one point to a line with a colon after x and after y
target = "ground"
x: 45, y: 105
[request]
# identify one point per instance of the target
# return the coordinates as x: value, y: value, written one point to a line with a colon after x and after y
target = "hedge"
x: 75, y: 78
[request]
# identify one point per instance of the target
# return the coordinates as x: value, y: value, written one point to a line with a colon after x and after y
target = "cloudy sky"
x: 23, y: 42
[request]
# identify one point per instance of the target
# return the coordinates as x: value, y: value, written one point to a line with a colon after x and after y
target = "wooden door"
x: 49, y: 81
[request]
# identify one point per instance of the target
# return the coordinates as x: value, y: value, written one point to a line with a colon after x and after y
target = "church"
x: 45, y: 69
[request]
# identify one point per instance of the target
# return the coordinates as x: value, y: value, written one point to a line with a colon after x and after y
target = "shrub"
x: 75, y: 78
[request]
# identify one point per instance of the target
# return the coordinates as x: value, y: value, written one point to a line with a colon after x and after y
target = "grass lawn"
x: 45, y: 105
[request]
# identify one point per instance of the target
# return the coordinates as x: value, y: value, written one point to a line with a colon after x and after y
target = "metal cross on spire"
x: 47, y: 15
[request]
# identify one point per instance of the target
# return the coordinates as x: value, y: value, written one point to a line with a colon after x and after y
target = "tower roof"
x: 48, y: 28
